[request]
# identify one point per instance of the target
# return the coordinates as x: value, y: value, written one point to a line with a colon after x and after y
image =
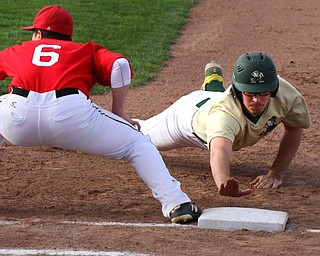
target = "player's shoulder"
x: 229, y: 104
x: 228, y: 97
x: 287, y: 96
x: 287, y: 90
x: 285, y: 85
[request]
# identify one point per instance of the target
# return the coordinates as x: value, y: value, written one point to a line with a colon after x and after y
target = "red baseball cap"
x: 53, y: 18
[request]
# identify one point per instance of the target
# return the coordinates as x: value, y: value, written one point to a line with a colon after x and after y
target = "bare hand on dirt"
x: 232, y: 188
x: 266, y: 181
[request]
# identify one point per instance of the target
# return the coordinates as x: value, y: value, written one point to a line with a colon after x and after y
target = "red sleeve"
x: 3, y: 73
x: 103, y: 61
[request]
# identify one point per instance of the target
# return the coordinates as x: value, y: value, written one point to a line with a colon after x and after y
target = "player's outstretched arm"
x: 288, y: 148
x: 119, y: 96
x: 220, y: 156
x: 120, y: 81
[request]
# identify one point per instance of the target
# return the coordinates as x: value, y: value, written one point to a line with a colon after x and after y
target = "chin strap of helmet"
x: 236, y: 93
x: 274, y: 93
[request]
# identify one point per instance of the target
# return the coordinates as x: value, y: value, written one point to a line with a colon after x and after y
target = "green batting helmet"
x: 255, y: 72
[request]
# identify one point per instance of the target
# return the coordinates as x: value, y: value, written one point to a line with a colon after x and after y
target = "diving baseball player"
x: 222, y: 121
x: 48, y: 104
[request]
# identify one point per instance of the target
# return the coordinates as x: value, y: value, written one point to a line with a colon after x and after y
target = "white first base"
x: 236, y: 218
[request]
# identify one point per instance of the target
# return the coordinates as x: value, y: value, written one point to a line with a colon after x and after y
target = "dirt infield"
x: 41, y: 188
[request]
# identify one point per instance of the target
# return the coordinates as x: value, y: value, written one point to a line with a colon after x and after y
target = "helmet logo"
x: 257, y: 77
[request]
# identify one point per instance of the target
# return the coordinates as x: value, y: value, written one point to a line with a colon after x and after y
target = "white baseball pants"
x: 73, y: 122
x: 172, y: 128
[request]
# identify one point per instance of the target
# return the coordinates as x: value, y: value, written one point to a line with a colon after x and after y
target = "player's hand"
x: 270, y: 180
x: 232, y: 188
x: 128, y: 119
x: 135, y: 124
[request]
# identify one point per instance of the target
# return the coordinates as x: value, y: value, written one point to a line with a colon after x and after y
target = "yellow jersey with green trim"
x: 223, y: 117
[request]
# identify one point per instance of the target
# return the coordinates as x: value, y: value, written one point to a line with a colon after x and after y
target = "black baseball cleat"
x: 184, y: 213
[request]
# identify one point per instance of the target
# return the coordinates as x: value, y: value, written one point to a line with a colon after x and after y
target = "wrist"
x: 275, y: 174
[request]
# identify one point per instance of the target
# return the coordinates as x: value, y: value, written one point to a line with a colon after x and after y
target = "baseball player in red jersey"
x: 48, y: 105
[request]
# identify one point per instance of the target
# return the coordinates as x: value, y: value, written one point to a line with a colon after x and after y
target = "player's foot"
x: 185, y: 212
x: 213, y: 79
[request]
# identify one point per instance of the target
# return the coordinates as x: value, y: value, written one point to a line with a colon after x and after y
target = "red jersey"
x: 49, y: 64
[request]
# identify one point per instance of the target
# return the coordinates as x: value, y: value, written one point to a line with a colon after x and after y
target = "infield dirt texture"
x: 42, y: 187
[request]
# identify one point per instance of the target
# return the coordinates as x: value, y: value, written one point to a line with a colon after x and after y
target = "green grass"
x: 142, y: 30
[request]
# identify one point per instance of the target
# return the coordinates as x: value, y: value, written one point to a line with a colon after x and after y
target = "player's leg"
x: 161, y: 129
x: 172, y: 128
x: 98, y: 131
x: 213, y: 78
x: 147, y: 161
x: 18, y: 122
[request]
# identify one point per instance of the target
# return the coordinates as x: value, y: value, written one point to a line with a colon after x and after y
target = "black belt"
x: 59, y: 93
